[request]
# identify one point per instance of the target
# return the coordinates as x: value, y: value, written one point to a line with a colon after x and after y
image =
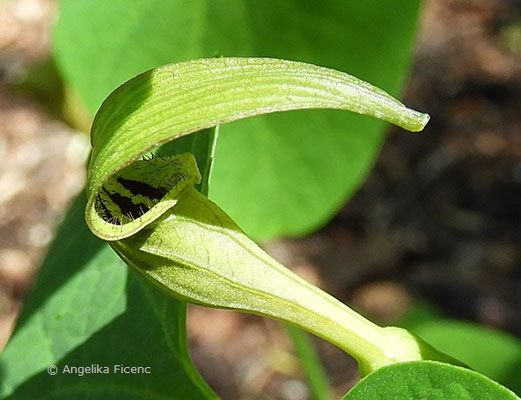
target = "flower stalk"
x: 197, y: 253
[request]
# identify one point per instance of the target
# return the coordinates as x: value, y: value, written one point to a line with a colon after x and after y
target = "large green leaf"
x: 430, y: 380
x: 86, y: 309
x: 370, y: 39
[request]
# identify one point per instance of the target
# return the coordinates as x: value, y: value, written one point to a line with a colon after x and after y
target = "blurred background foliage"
x: 431, y: 239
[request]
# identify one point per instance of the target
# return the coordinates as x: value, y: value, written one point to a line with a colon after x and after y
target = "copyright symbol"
x: 52, y: 370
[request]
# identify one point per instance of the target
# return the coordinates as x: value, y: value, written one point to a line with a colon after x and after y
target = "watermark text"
x: 97, y: 369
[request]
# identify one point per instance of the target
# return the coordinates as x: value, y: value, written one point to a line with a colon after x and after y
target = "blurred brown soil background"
x: 439, y: 217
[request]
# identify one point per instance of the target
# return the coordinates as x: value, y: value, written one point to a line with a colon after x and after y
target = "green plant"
x: 189, y: 248
x: 185, y: 244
